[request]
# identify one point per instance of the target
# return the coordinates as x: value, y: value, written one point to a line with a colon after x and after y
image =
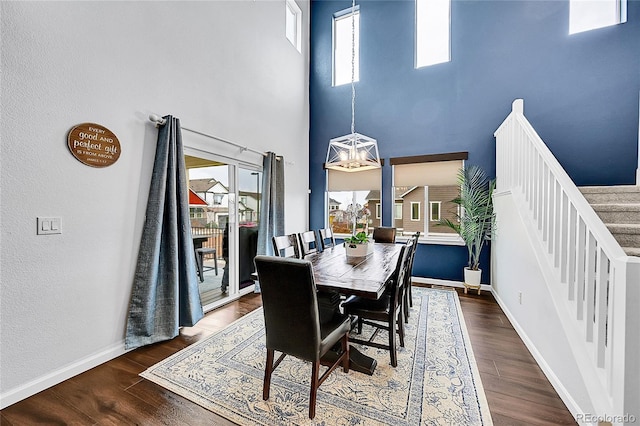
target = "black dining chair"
x: 384, y: 234
x: 327, y: 238
x: 408, y: 295
x: 308, y: 243
x: 286, y: 246
x: 385, y: 313
x: 292, y: 322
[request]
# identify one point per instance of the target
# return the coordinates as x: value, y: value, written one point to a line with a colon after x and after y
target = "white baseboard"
x: 571, y: 404
x: 44, y: 382
x: 446, y: 283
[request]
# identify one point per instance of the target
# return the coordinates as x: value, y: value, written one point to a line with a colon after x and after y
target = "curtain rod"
x: 158, y: 121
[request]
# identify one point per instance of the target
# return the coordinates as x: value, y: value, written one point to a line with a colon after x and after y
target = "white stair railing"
x: 595, y: 285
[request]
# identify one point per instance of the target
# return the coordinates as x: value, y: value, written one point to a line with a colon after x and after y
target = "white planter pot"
x: 358, y: 250
x: 472, y: 279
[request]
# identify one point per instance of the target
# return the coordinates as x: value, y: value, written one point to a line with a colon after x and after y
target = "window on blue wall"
x: 433, y: 32
x: 427, y: 181
x: 357, y: 195
x: 585, y: 15
x: 346, y: 46
x: 293, y: 24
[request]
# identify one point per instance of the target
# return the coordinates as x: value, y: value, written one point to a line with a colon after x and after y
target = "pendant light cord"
x: 353, y: 67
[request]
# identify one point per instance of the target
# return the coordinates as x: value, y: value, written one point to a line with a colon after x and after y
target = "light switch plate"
x: 49, y: 225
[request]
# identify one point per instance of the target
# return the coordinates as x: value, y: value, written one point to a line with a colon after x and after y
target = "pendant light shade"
x: 353, y: 152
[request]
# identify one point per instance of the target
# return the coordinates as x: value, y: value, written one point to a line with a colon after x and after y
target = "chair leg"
x: 215, y: 262
x: 392, y: 340
x: 410, y: 294
x: 405, y: 306
x: 345, y: 349
x: 268, y: 369
x: 401, y: 328
x: 314, y: 388
x: 359, y: 325
x: 199, y: 265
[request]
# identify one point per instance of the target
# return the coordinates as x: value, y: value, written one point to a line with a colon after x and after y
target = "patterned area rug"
x: 436, y: 381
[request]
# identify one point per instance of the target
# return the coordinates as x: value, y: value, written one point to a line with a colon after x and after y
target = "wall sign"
x: 93, y: 145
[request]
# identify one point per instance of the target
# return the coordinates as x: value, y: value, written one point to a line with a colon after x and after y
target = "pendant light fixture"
x: 353, y: 152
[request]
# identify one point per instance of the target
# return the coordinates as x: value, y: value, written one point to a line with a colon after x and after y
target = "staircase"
x: 566, y: 271
x: 619, y: 209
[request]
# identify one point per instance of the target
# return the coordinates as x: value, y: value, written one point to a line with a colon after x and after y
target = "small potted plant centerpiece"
x: 476, y: 219
x: 358, y: 245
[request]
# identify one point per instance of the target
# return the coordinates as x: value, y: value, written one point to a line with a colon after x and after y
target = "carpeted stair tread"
x: 621, y: 194
x: 632, y: 251
x: 624, y: 228
x: 616, y: 207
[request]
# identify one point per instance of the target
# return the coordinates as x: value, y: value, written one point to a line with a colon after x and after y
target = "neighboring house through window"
x: 428, y: 181
x: 353, y: 188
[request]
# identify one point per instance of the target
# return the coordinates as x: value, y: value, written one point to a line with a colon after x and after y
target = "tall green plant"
x: 476, y: 218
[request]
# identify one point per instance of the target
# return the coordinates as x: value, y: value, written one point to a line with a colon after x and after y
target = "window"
x: 415, y: 210
x: 346, y: 43
x: 428, y: 180
x: 433, y: 28
x: 434, y: 209
x: 362, y: 190
x: 293, y: 24
x: 585, y: 15
x: 398, y: 211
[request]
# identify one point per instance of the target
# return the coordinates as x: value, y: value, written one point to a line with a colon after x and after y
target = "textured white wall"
x: 224, y: 68
x: 516, y: 270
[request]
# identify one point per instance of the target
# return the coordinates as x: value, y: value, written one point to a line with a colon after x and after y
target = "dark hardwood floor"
x: 113, y: 394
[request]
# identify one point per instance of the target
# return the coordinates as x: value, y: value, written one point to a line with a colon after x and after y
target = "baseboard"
x: 446, y: 283
x: 41, y: 383
x: 571, y: 404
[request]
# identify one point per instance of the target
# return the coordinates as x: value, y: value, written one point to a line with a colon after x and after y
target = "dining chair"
x: 408, y: 295
x: 384, y: 234
x: 385, y: 313
x: 289, y: 292
x: 286, y: 246
x: 308, y: 243
x: 326, y: 234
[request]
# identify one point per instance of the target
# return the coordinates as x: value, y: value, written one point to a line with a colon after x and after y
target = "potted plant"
x: 358, y: 245
x: 476, y: 219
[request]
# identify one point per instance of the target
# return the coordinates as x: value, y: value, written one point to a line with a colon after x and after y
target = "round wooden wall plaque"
x: 93, y: 145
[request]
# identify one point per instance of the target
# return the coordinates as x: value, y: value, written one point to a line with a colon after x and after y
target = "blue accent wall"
x: 580, y: 93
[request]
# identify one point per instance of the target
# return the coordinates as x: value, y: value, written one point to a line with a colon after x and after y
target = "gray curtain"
x: 272, y: 213
x: 165, y: 292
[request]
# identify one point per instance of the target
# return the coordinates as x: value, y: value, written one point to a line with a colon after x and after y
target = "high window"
x: 433, y: 32
x: 427, y: 181
x: 346, y: 46
x: 585, y: 15
x: 293, y: 24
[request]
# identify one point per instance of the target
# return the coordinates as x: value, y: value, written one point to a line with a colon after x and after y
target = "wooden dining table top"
x: 360, y: 276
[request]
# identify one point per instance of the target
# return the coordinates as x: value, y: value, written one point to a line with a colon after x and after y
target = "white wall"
x: 223, y: 68
x: 519, y: 284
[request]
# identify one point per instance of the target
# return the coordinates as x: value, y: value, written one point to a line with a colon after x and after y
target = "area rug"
x: 436, y: 381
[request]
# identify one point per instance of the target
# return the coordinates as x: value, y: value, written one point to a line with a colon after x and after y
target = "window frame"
x: 411, y: 209
x: 337, y: 17
x: 425, y: 34
x: 428, y: 237
x: 580, y: 12
x: 431, y: 205
x: 296, y: 12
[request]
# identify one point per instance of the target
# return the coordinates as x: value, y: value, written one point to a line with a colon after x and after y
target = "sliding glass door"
x: 224, y: 207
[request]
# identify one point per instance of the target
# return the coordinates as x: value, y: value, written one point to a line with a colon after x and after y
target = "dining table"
x: 364, y: 276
